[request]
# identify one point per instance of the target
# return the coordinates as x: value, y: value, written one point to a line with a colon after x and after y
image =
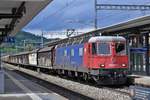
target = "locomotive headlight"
x: 123, y: 65
x: 102, y: 65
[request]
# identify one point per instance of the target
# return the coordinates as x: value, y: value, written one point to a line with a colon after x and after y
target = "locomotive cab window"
x: 120, y: 48
x: 93, y: 48
x: 103, y: 48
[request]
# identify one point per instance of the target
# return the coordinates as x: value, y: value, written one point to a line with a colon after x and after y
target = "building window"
x: 65, y: 52
x: 80, y: 51
x: 72, y: 52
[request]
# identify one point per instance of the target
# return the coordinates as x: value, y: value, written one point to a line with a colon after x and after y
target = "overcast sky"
x: 79, y: 14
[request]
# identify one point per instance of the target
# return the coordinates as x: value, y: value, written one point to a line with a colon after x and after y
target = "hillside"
x: 23, y: 41
x: 21, y: 36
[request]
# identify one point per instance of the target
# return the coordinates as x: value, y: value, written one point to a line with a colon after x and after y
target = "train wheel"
x: 86, y: 76
x: 69, y: 74
x: 95, y: 78
x: 79, y: 76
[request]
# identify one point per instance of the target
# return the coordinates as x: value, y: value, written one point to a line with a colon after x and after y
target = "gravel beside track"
x: 87, y: 90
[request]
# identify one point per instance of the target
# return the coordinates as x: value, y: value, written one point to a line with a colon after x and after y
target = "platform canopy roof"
x: 133, y: 25
x: 15, y: 14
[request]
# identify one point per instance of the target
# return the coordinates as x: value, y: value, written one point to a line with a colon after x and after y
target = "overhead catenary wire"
x: 69, y: 4
x: 59, y: 10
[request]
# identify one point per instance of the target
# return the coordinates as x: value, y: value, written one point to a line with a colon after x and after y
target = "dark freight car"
x: 45, y: 57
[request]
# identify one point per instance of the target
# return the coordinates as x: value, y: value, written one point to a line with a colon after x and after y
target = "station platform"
x: 140, y: 80
x: 18, y: 87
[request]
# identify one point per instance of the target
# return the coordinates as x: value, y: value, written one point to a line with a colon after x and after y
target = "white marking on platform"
x: 22, y: 94
x: 24, y: 88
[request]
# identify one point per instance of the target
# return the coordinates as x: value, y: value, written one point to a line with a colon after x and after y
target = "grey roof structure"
x: 140, y: 23
x: 15, y: 14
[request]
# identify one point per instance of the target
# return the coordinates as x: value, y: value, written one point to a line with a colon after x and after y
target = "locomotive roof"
x: 107, y: 39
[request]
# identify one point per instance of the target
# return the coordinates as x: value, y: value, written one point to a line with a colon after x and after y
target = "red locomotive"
x: 107, y: 56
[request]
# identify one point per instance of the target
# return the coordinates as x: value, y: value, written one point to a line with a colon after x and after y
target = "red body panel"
x: 86, y: 55
x: 108, y: 62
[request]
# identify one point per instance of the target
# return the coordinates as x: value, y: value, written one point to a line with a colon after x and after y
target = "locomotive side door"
x: 93, y: 54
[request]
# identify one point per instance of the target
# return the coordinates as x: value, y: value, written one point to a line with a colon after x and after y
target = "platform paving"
x: 1, y: 81
x: 141, y: 80
x: 18, y: 87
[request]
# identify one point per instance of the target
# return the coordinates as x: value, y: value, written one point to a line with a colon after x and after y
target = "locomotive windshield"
x: 120, y: 48
x: 103, y: 48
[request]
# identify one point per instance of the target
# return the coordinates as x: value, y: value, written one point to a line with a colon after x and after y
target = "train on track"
x: 101, y: 58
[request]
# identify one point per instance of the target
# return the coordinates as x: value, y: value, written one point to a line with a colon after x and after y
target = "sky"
x: 79, y: 14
